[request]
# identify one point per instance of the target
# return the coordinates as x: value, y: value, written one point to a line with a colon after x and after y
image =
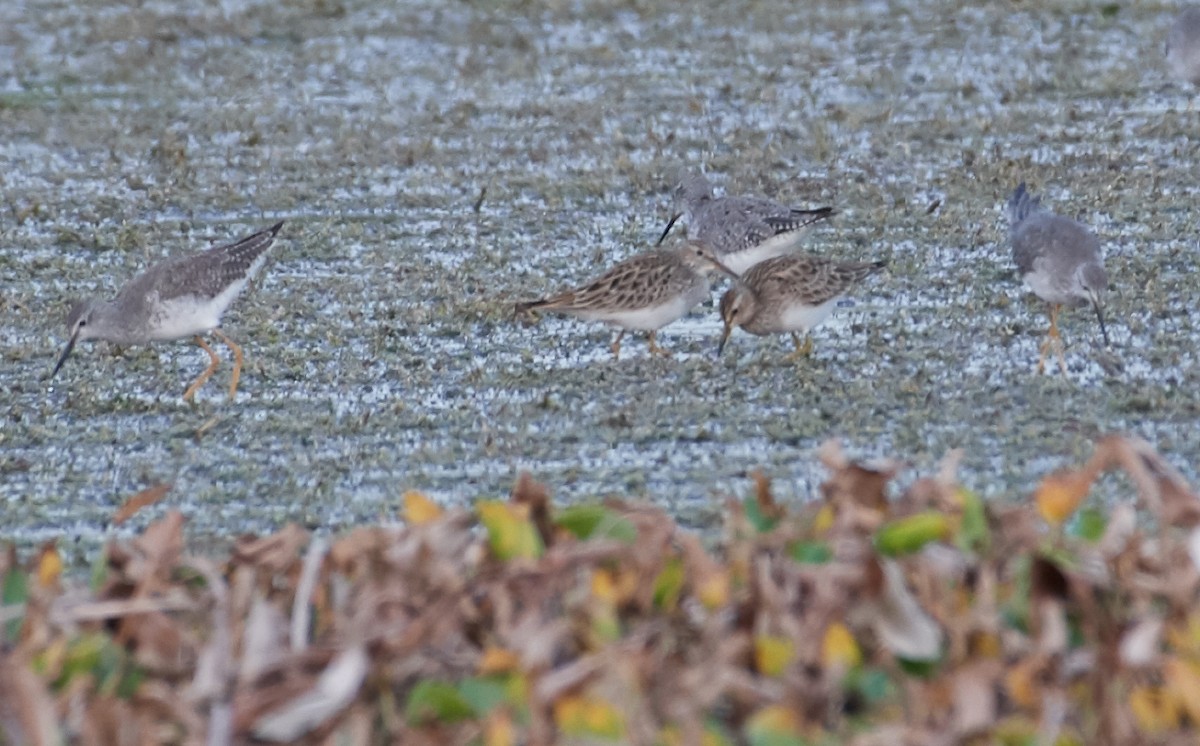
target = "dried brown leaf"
x: 156, y: 552
x: 763, y: 495
x: 903, y: 627
x: 27, y: 713
x: 528, y: 491
x: 855, y: 484
x: 1140, y: 644
x: 976, y: 701
x: 143, y: 499
x: 335, y: 689
x: 274, y: 553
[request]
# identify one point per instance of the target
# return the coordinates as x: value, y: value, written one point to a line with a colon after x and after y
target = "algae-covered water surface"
x: 436, y: 162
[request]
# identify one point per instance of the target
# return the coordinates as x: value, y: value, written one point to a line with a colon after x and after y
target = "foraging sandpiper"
x: 645, y: 292
x: 791, y: 293
x: 743, y: 230
x: 1060, y: 260
x: 181, y: 297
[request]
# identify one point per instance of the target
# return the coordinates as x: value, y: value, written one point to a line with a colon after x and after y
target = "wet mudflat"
x: 381, y: 350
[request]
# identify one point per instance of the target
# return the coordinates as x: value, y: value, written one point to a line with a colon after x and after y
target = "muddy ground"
x: 437, y: 161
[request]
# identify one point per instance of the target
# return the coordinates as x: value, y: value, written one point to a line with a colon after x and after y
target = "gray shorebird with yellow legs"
x: 1061, y: 262
x: 181, y: 297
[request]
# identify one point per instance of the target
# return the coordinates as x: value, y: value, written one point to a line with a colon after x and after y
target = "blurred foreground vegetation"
x: 863, y: 617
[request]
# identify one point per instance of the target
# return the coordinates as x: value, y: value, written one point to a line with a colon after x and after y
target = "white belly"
x: 786, y: 243
x: 189, y: 315
x: 800, y: 318
x: 1047, y: 290
x: 183, y: 317
x: 645, y: 319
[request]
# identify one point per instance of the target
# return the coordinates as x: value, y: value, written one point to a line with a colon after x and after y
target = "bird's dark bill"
x: 724, y: 339
x: 667, y: 230
x: 65, y: 354
x: 1100, y: 317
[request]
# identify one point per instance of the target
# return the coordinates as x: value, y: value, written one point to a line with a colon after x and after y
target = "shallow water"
x: 381, y: 351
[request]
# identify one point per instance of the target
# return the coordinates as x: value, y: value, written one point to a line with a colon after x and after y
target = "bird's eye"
x: 82, y: 322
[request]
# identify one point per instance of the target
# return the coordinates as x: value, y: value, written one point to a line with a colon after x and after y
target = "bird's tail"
x: 526, y: 308
x: 1021, y: 205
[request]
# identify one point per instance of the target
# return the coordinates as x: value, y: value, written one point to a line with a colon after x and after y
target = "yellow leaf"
x: 588, y: 716
x: 714, y: 590
x: 1183, y: 685
x: 1059, y: 495
x: 605, y: 625
x: 669, y: 584
x: 499, y: 729
x: 670, y: 736
x: 986, y: 645
x: 824, y: 520
x: 511, y: 534
x: 1015, y: 729
x: 605, y: 595
x: 1021, y: 682
x: 49, y: 566
x: 419, y: 509
x: 498, y: 660
x: 839, y: 648
x: 1185, y: 637
x: 604, y: 586
x: 773, y: 723
x: 773, y: 654
x: 49, y: 662
x: 1153, y: 710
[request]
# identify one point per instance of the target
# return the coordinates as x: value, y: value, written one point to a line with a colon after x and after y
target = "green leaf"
x: 909, y: 534
x: 872, y: 684
x: 1089, y: 524
x: 436, y: 702
x: 484, y: 693
x: 669, y: 584
x: 84, y: 655
x: 15, y: 590
x: 774, y: 725
x: 811, y: 552
x: 922, y: 669
x: 99, y: 572
x: 596, y: 521
x: 762, y: 523
x: 973, y: 534
x: 130, y: 681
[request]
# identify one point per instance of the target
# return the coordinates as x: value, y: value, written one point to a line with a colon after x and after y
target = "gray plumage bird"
x: 181, y: 297
x: 742, y: 230
x: 1061, y: 262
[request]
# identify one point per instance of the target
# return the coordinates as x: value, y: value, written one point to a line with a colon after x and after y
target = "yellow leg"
x: 616, y: 345
x: 237, y: 361
x: 1060, y: 348
x: 803, y: 349
x: 1053, y: 340
x: 214, y: 361
x: 654, y: 348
